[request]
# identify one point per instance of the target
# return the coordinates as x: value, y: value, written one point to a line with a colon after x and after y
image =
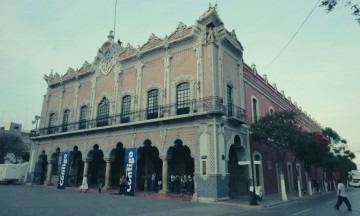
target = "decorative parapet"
x: 71, y: 73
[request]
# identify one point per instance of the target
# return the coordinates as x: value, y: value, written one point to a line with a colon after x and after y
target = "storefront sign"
x: 130, y: 170
x: 64, y: 170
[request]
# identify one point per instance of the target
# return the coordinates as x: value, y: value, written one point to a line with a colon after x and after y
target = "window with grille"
x: 84, y: 110
x: 229, y: 100
x: 183, y: 98
x: 65, y: 120
x: 152, y: 104
x: 103, y: 113
x: 52, y: 123
x: 125, y: 109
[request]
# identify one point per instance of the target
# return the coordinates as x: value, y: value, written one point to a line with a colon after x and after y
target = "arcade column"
x: 107, y: 173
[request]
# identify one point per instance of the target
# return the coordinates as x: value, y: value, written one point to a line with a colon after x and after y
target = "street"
x: 20, y: 200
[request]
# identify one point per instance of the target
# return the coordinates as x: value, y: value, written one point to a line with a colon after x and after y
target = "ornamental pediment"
x: 69, y: 74
x: 152, y: 42
x: 129, y: 51
x: 210, y: 17
x: 180, y: 32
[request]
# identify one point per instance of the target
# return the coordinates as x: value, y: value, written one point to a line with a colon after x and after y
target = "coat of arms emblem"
x: 107, y: 63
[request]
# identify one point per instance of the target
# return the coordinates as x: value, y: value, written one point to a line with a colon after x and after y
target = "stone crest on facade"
x: 107, y: 63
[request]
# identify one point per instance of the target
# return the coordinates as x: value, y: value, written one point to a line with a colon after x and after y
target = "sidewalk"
x: 267, y: 201
x: 115, y: 191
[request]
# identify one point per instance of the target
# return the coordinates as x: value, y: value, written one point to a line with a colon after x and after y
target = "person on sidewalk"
x: 122, y: 185
x: 84, y: 185
x: 100, y: 185
x: 342, y: 196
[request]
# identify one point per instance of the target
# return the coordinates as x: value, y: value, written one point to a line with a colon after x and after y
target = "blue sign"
x: 64, y: 170
x: 130, y: 171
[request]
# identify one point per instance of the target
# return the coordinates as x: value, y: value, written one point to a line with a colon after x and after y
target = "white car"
x: 355, y: 183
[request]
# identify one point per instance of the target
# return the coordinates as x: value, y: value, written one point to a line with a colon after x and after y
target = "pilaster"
x: 107, y: 173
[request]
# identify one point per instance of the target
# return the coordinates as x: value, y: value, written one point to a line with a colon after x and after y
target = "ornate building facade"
x: 185, y: 102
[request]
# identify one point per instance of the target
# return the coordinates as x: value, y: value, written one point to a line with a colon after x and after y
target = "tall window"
x: 65, y: 120
x: 125, y: 109
x: 52, y: 123
x: 103, y: 113
x: 254, y: 109
x: 229, y: 100
x: 183, y: 98
x: 152, y: 104
x: 84, y: 112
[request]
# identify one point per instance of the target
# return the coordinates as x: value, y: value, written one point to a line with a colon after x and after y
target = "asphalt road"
x: 318, y: 205
x: 20, y: 200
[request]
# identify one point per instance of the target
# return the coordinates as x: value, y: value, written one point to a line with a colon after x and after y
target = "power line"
x: 292, y: 38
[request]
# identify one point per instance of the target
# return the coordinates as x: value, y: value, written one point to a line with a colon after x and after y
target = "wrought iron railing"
x: 209, y: 105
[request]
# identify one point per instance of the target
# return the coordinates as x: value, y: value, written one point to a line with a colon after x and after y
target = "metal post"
x: 253, y: 200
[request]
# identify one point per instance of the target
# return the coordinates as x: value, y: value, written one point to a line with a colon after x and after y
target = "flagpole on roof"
x: 115, y: 17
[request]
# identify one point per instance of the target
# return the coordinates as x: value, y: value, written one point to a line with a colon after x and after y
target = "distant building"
x: 11, y: 126
x: 16, y: 128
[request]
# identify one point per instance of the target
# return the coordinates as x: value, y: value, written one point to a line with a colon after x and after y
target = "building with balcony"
x: 184, y: 101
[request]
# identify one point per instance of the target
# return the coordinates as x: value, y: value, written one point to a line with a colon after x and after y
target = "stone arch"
x: 96, y: 169
x: 184, y: 142
x: 238, y: 168
x: 41, y: 168
x: 180, y: 162
x: 76, y: 166
x: 148, y: 162
x: 117, y: 160
x: 258, y: 170
x: 55, y: 160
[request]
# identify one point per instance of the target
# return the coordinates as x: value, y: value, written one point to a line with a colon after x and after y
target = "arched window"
x: 102, y: 118
x: 65, y: 120
x: 229, y: 94
x: 183, y: 98
x: 271, y: 111
x: 152, y: 104
x: 255, y: 110
x: 125, y: 109
x: 52, y: 123
x: 84, y: 112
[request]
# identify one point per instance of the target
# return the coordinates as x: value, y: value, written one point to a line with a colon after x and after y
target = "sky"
x: 319, y: 68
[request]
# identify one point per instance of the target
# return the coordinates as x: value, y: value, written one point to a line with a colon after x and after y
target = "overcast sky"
x: 319, y: 69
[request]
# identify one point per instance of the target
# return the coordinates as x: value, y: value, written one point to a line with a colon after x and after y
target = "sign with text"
x: 130, y: 171
x: 64, y: 170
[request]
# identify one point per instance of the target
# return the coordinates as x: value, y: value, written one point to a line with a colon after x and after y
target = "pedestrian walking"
x: 84, y: 185
x: 100, y: 185
x: 342, y: 196
x: 153, y: 181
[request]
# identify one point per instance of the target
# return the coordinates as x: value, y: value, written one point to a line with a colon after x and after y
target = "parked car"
x: 355, y: 183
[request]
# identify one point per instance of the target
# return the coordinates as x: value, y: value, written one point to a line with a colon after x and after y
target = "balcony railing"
x: 210, y: 105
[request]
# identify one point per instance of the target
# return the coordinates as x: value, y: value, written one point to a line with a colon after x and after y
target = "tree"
x: 280, y: 132
x: 353, y: 4
x: 11, y: 143
x: 312, y: 150
x: 339, y: 159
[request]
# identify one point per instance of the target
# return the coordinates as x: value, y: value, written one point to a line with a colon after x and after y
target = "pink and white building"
x: 185, y: 101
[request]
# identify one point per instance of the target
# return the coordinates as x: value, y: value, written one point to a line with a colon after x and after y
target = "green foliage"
x: 353, y: 4
x: 10, y: 143
x: 311, y: 149
x: 279, y: 131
